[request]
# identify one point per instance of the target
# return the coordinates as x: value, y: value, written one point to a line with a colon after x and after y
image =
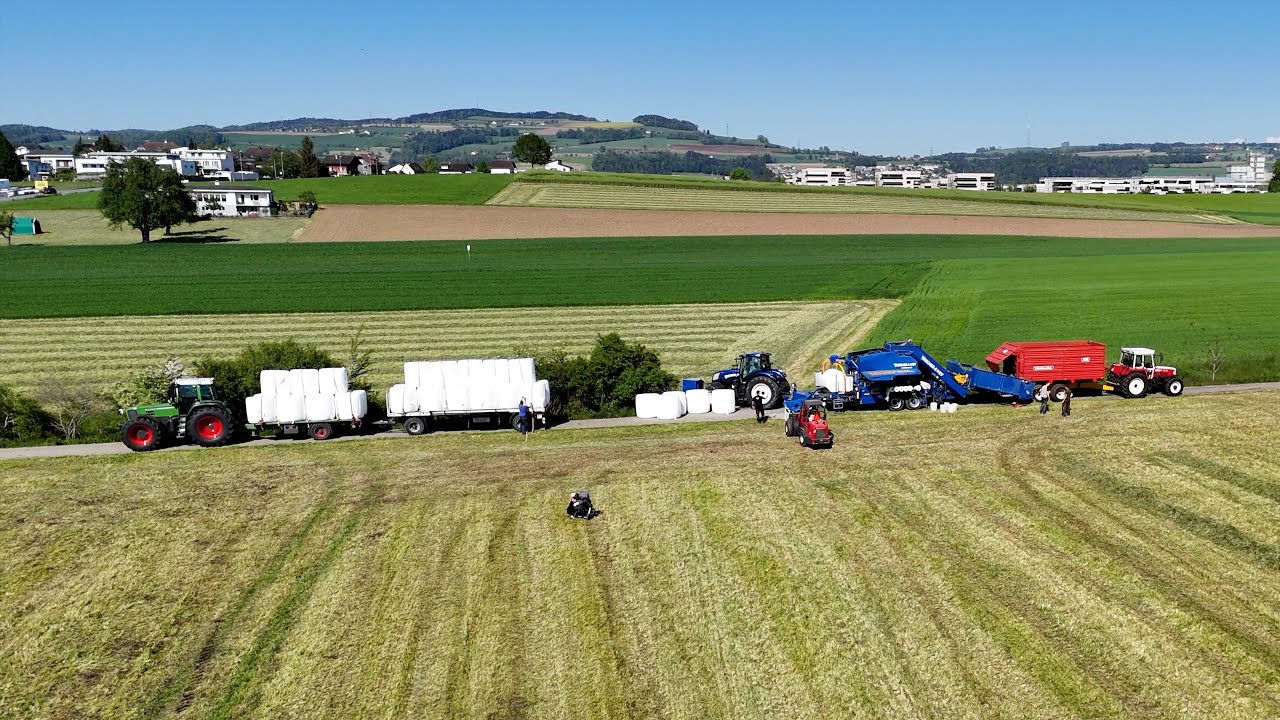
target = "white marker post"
x: 468, y: 252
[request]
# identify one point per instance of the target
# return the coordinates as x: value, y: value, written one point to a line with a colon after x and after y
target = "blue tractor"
x: 754, y: 375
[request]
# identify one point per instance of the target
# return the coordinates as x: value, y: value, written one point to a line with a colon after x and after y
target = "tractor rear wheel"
x: 210, y: 426
x: 1058, y: 392
x: 1135, y: 385
x: 415, y: 425
x: 1173, y: 386
x: 142, y: 434
x: 320, y: 431
x: 766, y: 387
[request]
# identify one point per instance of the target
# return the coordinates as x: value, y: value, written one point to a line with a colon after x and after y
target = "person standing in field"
x: 1043, y: 396
x: 524, y: 418
x: 1066, y: 404
x: 757, y: 403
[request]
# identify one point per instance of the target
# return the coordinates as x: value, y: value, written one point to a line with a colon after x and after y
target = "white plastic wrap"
x: 502, y: 371
x: 723, y: 401
x: 480, y: 396
x: 359, y: 403
x: 412, y: 374
x: 506, y: 395
x: 670, y: 407
x: 310, y: 381
x: 524, y: 368
x: 340, y: 380
x: 647, y: 405
x: 456, y: 395
x: 697, y: 402
x: 290, y: 409
x: 295, y: 384
x: 431, y: 399
x: 342, y: 406
x: 267, y: 382
x: 409, y: 400
x: 395, y: 400
x: 253, y: 409
x: 540, y: 395
x: 678, y: 396
x: 430, y: 375
x: 319, y: 407
x: 449, y: 370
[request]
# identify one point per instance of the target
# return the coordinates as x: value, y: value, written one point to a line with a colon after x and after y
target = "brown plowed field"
x: 338, y: 223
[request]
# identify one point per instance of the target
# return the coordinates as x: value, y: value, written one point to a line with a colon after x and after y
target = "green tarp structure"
x: 26, y: 226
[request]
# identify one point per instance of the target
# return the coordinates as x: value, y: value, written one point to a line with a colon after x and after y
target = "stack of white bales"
x: 305, y: 395
x: 675, y: 403
x: 834, y: 380
x: 475, y: 385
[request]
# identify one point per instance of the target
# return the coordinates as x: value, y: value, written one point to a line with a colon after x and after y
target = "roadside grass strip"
x: 692, y: 340
x: 619, y: 197
x: 994, y: 563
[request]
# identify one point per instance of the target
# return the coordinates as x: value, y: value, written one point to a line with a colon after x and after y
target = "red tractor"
x: 809, y: 424
x: 1138, y: 374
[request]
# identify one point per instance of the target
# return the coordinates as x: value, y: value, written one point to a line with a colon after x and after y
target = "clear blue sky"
x: 879, y: 77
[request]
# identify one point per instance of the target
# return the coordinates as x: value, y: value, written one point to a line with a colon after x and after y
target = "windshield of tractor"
x: 193, y: 393
x: 1129, y: 359
x: 754, y: 363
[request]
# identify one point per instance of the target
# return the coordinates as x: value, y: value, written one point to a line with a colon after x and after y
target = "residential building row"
x: 188, y: 162
x: 890, y: 176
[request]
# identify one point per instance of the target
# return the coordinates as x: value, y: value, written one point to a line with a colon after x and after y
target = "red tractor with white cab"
x: 809, y: 423
x: 1138, y: 374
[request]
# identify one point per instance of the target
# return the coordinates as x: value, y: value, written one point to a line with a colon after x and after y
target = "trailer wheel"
x: 1058, y: 392
x: 915, y: 402
x: 897, y: 403
x: 415, y: 425
x: 210, y: 427
x: 1135, y: 386
x: 1173, y: 387
x: 320, y: 431
x: 141, y: 435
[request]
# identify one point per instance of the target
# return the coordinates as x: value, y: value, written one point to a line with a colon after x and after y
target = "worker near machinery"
x: 1066, y: 403
x: 580, y: 506
x: 1043, y: 396
x: 757, y: 403
x: 524, y: 417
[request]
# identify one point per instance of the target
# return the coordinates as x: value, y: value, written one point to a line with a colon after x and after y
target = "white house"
x: 456, y: 168
x: 972, y: 181
x: 41, y: 166
x: 898, y: 178
x: 409, y: 168
x: 821, y: 177
x: 94, y: 164
x: 208, y: 163
x: 233, y: 201
x: 558, y: 166
x: 502, y: 167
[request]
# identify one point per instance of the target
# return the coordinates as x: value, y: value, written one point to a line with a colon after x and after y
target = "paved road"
x: 115, y: 448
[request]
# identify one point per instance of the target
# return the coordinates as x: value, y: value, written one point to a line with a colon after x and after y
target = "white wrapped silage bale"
x: 933, y: 406
x: 253, y: 409
x: 456, y: 395
x: 486, y: 369
x: 679, y: 398
x: 541, y: 393
x: 448, y: 370
x: 430, y: 374
x: 502, y: 370
x: 723, y: 401
x: 319, y: 407
x: 475, y: 368
x: 267, y: 382
x: 431, y: 399
x: 524, y: 367
x: 670, y: 407
x: 290, y: 408
x: 310, y: 381
x: 359, y: 403
x: 647, y: 405
x: 295, y: 383
x: 410, y: 400
x: 395, y: 400
x: 833, y: 378
x: 480, y: 396
x: 506, y: 395
x: 342, y: 406
x: 269, y: 408
x: 340, y: 380
x: 412, y: 374
x: 282, y: 382
x: 698, y: 402
x: 325, y: 381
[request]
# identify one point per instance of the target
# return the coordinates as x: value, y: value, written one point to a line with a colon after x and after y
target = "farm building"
x: 821, y: 177
x: 456, y: 168
x: 410, y: 168
x: 502, y: 167
x: 558, y: 166
x: 972, y: 181
x: 341, y: 165
x: 233, y: 201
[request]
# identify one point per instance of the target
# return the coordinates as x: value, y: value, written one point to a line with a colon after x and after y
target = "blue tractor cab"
x: 754, y: 375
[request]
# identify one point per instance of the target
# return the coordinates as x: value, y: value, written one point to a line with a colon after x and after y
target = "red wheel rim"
x: 142, y: 435
x: 321, y: 433
x: 209, y: 427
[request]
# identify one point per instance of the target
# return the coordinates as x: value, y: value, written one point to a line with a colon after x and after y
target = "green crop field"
x: 69, y: 201
x: 962, y: 294
x: 88, y: 227
x: 994, y: 563
x: 623, y: 197
x: 472, y: 189
x: 693, y: 340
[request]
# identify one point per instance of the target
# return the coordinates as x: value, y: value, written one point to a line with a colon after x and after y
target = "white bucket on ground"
x: 698, y: 402
x: 723, y: 401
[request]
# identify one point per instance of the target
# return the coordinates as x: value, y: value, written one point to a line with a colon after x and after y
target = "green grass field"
x: 88, y: 227
x: 472, y: 189
x: 69, y: 201
x: 994, y: 563
x: 962, y: 295
x: 692, y: 340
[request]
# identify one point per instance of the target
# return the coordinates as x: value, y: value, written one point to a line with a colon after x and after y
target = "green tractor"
x: 191, y: 412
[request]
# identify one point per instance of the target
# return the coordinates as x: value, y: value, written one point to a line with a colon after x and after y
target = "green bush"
x: 22, y: 420
x: 603, y: 383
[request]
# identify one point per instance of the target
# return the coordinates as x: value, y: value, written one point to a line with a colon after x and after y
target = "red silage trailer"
x: 1058, y: 364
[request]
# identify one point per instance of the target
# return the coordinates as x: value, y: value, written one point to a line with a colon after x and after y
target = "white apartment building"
x: 899, y: 178
x: 209, y: 163
x: 233, y: 201
x: 822, y: 177
x: 94, y: 164
x: 41, y: 166
x: 1165, y: 184
x: 972, y: 181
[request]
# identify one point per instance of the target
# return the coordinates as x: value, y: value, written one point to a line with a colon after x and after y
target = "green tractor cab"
x: 192, y: 412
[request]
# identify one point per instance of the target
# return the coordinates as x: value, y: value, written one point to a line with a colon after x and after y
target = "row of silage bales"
x: 305, y: 395
x: 469, y: 385
x: 675, y: 404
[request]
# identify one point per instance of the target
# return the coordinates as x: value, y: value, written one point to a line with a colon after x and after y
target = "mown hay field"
x: 692, y: 340
x: 577, y: 195
x: 88, y: 227
x: 994, y: 563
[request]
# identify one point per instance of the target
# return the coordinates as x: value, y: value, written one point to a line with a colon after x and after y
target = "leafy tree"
x: 308, y: 163
x: 306, y: 197
x: 69, y: 403
x: 104, y: 143
x: 533, y: 149
x: 144, y: 196
x: 150, y: 385
x: 665, y: 122
x: 239, y: 377
x: 739, y: 173
x: 283, y: 164
x: 21, y: 419
x: 429, y: 165
x: 762, y: 139
x: 10, y: 166
x: 482, y: 167
x: 604, y: 383
x: 6, y: 226
x: 80, y: 148
x: 1274, y: 185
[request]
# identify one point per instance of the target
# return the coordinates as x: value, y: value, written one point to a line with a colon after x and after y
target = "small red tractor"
x: 1138, y: 374
x: 808, y: 423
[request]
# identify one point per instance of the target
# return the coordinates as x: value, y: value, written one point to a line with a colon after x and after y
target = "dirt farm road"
x: 744, y: 414
x: 344, y: 223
